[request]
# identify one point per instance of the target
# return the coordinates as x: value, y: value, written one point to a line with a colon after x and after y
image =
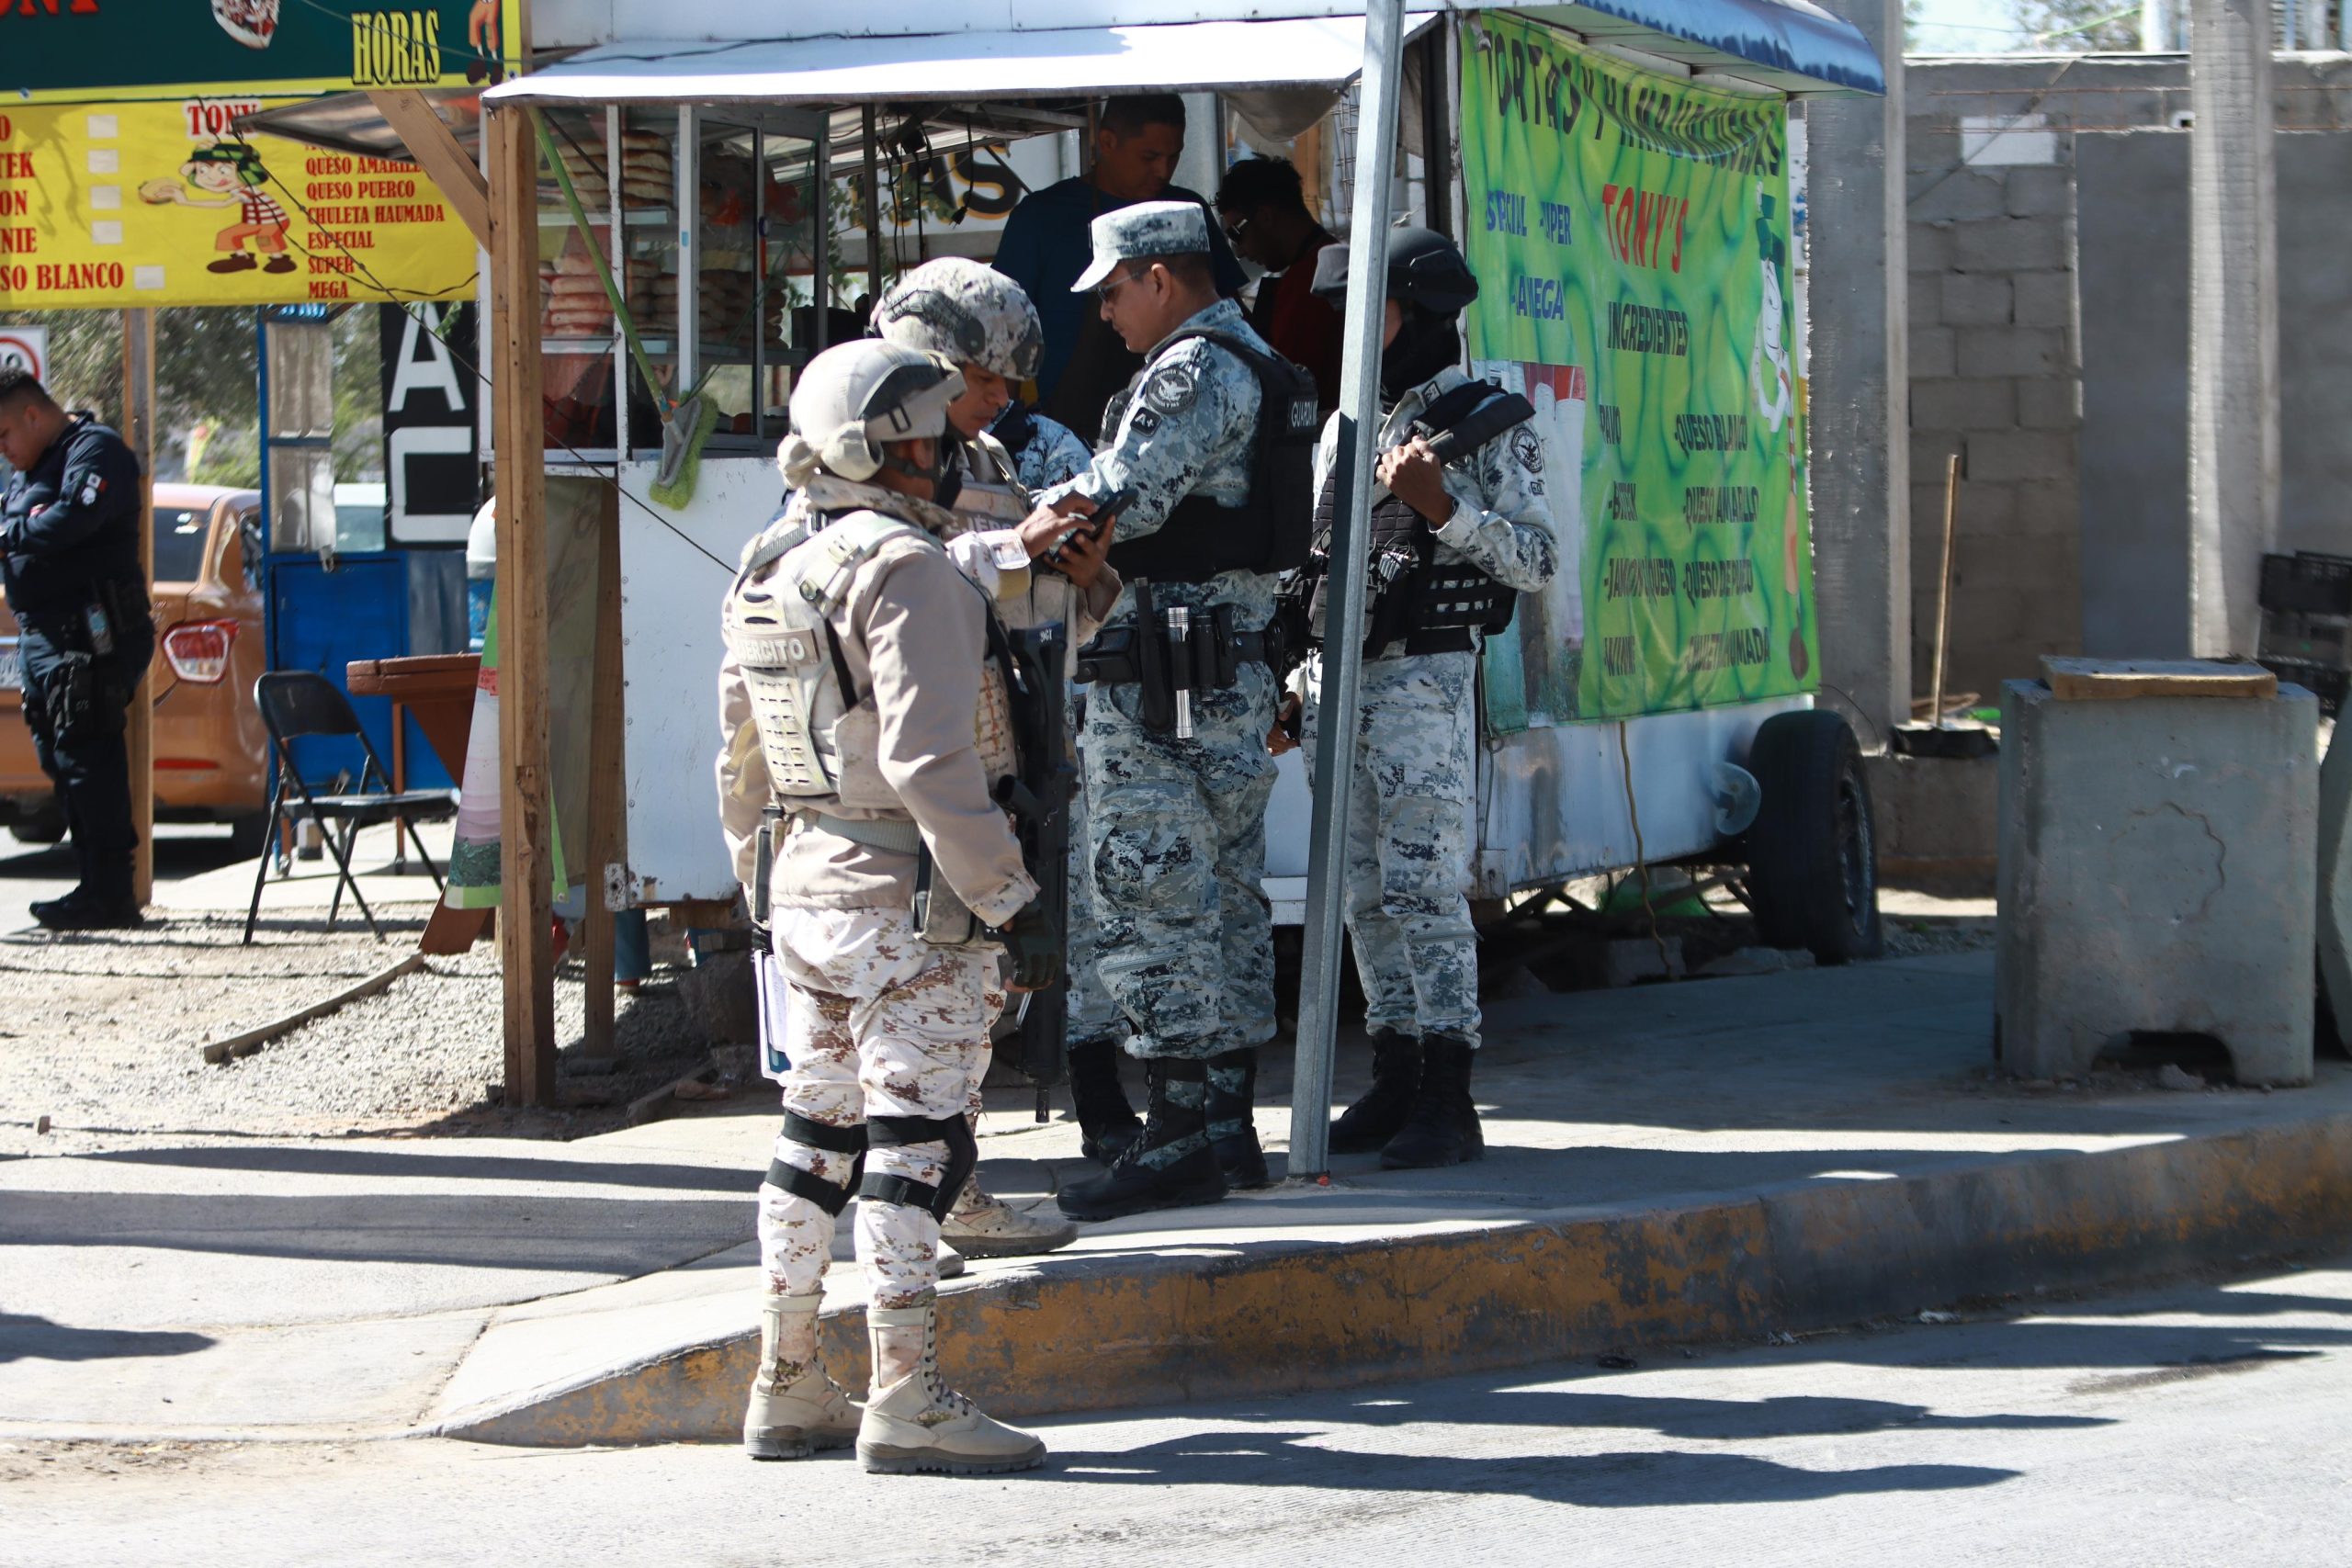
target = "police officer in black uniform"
x: 69, y: 560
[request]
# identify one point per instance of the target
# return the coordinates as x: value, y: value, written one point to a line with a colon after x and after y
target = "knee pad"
x: 897, y: 1131
x: 832, y: 1140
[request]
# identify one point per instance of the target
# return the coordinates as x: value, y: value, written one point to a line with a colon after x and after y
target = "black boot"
x: 1444, y: 1127
x: 1233, y: 1133
x: 1371, y: 1122
x: 1106, y: 1122
x: 1171, y: 1165
x: 102, y: 902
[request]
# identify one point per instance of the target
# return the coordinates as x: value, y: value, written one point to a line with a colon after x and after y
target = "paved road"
x: 30, y: 873
x: 2200, y: 1425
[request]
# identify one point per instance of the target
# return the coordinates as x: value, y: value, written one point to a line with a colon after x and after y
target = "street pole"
x: 138, y: 736
x: 2233, y: 323
x: 1318, y: 999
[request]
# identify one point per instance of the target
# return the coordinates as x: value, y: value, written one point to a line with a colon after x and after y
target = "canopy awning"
x: 1790, y: 46
x: 1192, y: 57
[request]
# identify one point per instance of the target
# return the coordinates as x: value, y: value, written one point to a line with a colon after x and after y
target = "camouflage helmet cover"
x: 966, y: 312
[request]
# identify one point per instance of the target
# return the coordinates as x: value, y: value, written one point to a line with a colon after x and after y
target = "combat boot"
x: 1171, y: 1166
x: 1371, y: 1122
x: 796, y: 1409
x: 915, y: 1422
x: 1233, y: 1131
x: 1106, y: 1122
x: 1444, y: 1127
x: 985, y: 1225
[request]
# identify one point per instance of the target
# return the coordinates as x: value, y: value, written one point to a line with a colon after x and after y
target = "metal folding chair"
x: 298, y: 703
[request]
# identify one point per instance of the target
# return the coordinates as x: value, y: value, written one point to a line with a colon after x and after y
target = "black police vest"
x: 1412, y: 597
x: 1270, y: 530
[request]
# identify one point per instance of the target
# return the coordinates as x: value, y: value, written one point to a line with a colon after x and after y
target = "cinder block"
x: 2050, y: 403
x: 2158, y: 872
x: 2042, y: 192
x: 1928, y: 247
x: 1957, y: 195
x: 2044, y: 299
x: 1985, y: 561
x: 2007, y: 351
x: 1999, y: 456
x: 1933, y: 352
x: 1930, y: 145
x: 1977, y: 300
x: 1986, y: 405
x: 2052, y: 508
x: 1925, y: 298
x: 1987, y: 511
x: 2009, y: 244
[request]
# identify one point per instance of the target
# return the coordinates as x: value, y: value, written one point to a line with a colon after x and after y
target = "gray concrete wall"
x: 1999, y: 310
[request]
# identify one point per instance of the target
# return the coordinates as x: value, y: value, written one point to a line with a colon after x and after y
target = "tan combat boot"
x: 796, y: 1409
x: 985, y: 1225
x: 914, y: 1422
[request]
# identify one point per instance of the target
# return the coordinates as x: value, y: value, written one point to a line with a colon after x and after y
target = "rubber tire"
x: 39, y: 828
x: 1811, y: 860
x: 248, y: 834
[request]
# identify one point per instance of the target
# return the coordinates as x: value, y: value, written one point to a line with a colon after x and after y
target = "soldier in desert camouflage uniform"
x: 1176, y: 823
x: 862, y: 718
x: 1482, y: 524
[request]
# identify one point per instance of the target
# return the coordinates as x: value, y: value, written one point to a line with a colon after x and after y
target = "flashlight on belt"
x: 1180, y: 654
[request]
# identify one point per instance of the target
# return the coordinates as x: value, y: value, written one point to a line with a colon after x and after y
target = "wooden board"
x: 253, y: 1040
x: 2116, y: 680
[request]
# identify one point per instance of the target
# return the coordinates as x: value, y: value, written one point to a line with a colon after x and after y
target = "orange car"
x: 210, y: 748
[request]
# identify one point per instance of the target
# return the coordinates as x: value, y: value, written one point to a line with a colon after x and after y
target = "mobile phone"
x: 1106, y: 509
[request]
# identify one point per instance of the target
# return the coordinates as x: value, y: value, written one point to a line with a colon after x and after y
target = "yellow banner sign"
x: 163, y: 203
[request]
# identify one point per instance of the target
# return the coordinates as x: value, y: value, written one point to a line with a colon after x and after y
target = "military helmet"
x: 1425, y: 268
x: 966, y: 313
x: 856, y: 398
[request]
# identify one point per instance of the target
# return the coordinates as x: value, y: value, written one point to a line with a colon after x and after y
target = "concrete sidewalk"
x: 1716, y: 1160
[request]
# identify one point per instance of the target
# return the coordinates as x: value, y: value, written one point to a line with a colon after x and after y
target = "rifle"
x: 1038, y: 796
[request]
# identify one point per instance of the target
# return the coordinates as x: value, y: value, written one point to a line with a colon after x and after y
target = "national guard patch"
x: 1174, y: 389
x: 1528, y: 447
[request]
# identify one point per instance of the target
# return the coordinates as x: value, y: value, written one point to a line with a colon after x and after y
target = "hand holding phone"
x: 1105, y: 511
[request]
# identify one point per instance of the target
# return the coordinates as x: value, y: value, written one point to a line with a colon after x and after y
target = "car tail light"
x: 199, y: 651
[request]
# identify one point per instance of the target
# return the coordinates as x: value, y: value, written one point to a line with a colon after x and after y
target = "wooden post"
x: 607, y: 783
x: 139, y: 431
x: 1943, y: 594
x: 526, y: 866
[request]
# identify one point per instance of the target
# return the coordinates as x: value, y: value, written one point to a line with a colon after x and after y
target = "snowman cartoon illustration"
x: 231, y: 174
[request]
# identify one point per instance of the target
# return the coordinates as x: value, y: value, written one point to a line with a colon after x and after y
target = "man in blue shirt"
x: 1048, y: 241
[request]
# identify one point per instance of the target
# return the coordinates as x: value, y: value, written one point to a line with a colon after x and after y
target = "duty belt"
x: 1173, y: 653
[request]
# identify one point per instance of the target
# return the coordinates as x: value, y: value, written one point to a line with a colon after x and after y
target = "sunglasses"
x: 1238, y: 227
x: 1104, y: 292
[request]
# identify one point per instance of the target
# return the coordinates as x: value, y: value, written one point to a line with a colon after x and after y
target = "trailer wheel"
x: 1812, y: 852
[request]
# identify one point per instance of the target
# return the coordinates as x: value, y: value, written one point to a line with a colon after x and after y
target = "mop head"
x: 690, y: 426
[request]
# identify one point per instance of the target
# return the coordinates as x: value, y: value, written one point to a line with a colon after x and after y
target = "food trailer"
x: 1619, y: 173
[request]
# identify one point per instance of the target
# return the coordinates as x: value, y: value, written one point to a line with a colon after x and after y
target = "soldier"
x: 865, y: 719
x: 1211, y: 442
x: 1453, y: 544
x: 1045, y: 452
x: 977, y: 319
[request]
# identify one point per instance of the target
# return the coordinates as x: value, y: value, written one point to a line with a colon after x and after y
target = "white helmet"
x: 857, y: 397
x: 967, y: 313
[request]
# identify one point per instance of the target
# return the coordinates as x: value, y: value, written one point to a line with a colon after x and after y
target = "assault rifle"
x: 1038, y: 796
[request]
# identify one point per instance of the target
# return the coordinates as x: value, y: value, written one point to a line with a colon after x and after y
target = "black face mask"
x: 1425, y: 345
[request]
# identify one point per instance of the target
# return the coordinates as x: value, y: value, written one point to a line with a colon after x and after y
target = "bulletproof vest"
x: 819, y: 736
x: 1271, y: 528
x: 1410, y: 595
x: 989, y: 494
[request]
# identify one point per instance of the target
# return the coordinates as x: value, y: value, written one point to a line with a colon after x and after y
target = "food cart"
x: 1620, y: 174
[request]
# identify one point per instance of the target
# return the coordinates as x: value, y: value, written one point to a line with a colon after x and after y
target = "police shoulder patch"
x: 1528, y: 447
x: 1173, y: 386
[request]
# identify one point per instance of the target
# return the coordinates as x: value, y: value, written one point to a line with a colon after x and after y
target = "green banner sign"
x: 1630, y: 233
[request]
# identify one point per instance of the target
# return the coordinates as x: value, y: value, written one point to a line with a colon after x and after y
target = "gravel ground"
x: 104, y: 1034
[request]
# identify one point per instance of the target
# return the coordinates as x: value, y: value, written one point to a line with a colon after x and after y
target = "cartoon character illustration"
x: 1769, y: 355
x: 482, y: 38
x: 232, y: 174
x: 251, y: 22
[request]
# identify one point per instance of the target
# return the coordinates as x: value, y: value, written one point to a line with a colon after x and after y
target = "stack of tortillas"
x: 723, y: 301
x: 649, y: 176
x: 575, y: 304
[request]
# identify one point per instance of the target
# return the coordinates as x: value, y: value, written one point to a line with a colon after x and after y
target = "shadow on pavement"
x: 24, y: 1339
x: 327, y: 1161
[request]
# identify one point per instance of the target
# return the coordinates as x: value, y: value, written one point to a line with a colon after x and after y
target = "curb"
x: 1077, y: 1334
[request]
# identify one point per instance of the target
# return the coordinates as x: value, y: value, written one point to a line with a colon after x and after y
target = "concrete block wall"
x: 1995, y: 345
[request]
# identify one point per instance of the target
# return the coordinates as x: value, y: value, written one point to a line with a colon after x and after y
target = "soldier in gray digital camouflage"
x: 1459, y: 529
x: 1212, y: 446
x: 978, y: 320
x: 864, y: 718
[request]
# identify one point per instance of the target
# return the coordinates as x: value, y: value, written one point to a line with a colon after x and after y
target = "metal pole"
x: 873, y: 214
x: 1318, y: 999
x: 821, y: 182
x: 139, y: 735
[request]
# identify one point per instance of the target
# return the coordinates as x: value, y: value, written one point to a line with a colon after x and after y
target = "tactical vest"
x: 819, y: 736
x: 1270, y: 531
x: 1431, y: 608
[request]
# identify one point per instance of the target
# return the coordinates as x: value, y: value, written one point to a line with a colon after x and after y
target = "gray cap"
x: 1146, y: 229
